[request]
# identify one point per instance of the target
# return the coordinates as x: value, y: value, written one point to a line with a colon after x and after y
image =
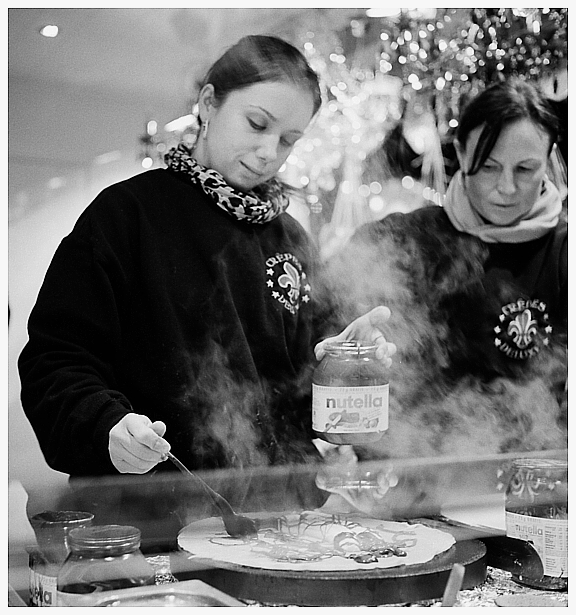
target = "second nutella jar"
x: 350, y: 395
x: 537, y: 513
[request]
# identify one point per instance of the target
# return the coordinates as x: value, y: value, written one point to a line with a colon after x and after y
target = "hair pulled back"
x: 258, y: 58
x: 497, y: 107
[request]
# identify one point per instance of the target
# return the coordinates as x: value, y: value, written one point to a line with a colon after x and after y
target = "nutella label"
x: 43, y: 589
x: 342, y: 410
x: 549, y: 537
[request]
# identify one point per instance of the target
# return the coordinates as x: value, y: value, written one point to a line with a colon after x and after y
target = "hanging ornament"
x: 350, y: 208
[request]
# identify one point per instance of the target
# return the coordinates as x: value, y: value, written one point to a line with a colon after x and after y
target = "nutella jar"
x: 102, y: 558
x: 537, y: 513
x: 350, y: 395
x: 51, y: 529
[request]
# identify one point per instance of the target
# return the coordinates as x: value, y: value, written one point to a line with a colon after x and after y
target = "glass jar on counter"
x: 350, y: 394
x: 537, y: 513
x: 102, y: 558
x: 51, y: 529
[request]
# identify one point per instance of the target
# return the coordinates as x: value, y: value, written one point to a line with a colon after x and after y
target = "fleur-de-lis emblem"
x: 291, y: 280
x: 523, y: 328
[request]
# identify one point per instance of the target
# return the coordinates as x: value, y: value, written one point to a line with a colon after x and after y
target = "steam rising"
x: 433, y: 410
x: 237, y: 422
x: 441, y: 400
x: 228, y: 426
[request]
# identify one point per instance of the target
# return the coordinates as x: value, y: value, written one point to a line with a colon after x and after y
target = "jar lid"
x: 351, y: 347
x: 541, y: 464
x: 60, y: 517
x: 100, y: 537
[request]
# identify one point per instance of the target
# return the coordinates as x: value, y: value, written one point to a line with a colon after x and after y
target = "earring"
x: 204, y: 129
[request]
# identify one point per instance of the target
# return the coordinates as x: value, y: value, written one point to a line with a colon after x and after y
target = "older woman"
x: 478, y: 289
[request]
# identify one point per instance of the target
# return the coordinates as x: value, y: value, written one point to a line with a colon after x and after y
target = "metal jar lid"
x: 110, y: 538
x: 544, y: 465
x: 350, y: 348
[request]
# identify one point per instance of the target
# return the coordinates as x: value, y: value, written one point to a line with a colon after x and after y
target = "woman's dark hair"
x: 256, y: 59
x: 497, y: 107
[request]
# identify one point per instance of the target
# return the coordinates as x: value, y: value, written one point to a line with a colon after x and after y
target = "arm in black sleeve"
x: 67, y: 366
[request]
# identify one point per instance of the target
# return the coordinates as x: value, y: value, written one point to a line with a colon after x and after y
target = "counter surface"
x: 498, y: 588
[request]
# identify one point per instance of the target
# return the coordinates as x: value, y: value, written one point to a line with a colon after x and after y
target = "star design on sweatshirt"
x: 287, y: 281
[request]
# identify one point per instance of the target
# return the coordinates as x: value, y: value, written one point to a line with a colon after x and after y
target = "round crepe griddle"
x: 398, y: 585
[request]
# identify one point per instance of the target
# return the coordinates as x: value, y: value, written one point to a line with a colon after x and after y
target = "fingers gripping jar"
x: 537, y: 512
x: 350, y: 395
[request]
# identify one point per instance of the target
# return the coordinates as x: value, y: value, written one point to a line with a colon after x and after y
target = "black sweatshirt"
x: 478, y: 326
x: 474, y: 287
x: 160, y: 303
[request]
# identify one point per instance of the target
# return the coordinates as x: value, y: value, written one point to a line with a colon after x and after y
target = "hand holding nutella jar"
x: 368, y: 328
x: 350, y: 384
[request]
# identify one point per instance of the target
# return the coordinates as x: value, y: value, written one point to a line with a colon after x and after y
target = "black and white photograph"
x: 287, y: 295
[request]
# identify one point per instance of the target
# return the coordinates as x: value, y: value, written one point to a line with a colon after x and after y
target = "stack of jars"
x: 76, y: 560
x: 45, y: 560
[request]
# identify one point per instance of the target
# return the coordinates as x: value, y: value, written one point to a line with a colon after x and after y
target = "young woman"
x: 183, y: 303
x: 478, y: 289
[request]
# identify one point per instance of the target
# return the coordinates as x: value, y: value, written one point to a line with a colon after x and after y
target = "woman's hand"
x: 367, y: 328
x: 136, y: 444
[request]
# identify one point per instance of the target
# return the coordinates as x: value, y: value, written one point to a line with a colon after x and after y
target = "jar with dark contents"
x: 51, y: 529
x: 102, y: 558
x: 350, y: 394
x: 537, y: 513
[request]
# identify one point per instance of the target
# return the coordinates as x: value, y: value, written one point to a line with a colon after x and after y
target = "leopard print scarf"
x: 262, y: 205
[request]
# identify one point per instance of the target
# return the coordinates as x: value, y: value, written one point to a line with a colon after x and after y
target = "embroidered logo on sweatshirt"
x: 287, y: 281
x: 523, y: 328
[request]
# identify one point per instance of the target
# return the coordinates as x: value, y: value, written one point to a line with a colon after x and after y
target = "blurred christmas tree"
x: 394, y: 81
